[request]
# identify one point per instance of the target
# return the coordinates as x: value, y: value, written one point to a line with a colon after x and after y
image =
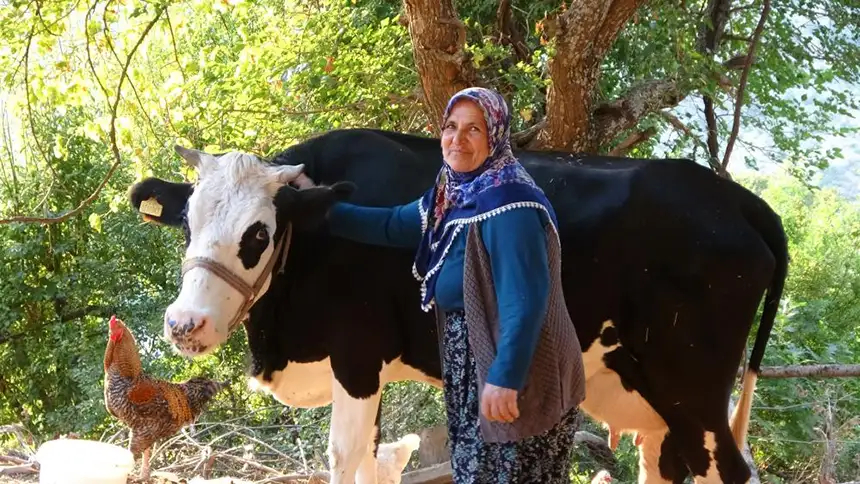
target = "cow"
x: 664, y: 266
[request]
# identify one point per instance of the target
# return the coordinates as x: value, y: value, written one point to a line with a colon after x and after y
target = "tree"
x: 614, y: 68
x: 96, y: 93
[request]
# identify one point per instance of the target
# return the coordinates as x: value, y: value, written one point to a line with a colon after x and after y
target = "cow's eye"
x: 254, y: 241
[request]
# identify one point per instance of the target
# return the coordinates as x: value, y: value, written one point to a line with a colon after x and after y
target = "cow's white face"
x: 233, y: 215
x: 231, y: 219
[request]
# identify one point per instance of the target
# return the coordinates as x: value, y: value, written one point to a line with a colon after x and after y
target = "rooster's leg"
x: 139, y: 445
x: 144, y: 465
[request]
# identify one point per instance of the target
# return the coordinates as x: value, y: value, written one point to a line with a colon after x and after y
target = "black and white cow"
x: 664, y: 267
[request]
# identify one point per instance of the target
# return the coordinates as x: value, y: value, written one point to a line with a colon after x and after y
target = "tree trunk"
x: 438, y: 41
x: 581, y: 36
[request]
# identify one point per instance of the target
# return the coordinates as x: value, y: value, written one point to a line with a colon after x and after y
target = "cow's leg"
x: 368, y: 470
x: 725, y: 464
x: 650, y: 451
x: 351, y: 436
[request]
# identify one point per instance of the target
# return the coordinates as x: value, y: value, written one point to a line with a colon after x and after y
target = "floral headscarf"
x: 459, y: 199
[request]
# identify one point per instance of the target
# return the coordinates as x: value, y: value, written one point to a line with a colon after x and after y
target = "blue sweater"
x: 516, y: 244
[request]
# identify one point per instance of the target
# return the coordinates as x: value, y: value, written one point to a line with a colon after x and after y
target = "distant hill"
x: 845, y: 177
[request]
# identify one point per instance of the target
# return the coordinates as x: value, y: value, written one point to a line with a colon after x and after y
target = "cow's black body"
x: 675, y: 258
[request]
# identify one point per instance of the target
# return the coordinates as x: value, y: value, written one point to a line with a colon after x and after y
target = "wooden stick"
x: 809, y: 371
x: 13, y: 459
x: 23, y: 469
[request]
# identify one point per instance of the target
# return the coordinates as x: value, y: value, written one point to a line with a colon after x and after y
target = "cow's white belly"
x: 304, y: 385
x: 399, y: 371
x: 607, y: 400
x: 308, y: 385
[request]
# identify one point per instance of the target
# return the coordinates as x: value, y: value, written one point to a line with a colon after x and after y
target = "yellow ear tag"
x: 151, y: 207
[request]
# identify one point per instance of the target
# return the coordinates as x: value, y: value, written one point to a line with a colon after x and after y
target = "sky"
x: 842, y: 174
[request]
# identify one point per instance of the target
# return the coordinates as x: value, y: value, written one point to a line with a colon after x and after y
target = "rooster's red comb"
x: 114, y: 323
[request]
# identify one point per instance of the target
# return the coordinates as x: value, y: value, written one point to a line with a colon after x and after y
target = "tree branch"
x: 742, y: 86
x: 739, y: 38
x: 711, y: 32
x: 509, y: 34
x: 86, y: 311
x: 62, y: 317
x: 676, y: 123
x: 89, y: 54
x: 709, y: 38
x: 713, y: 133
x: 114, y: 147
x: 809, y: 371
x: 625, y: 112
x: 631, y: 141
x: 438, y: 41
x: 827, y: 470
x: 618, y: 15
x: 598, y: 448
x: 175, y: 50
x: 680, y: 126
x: 524, y: 137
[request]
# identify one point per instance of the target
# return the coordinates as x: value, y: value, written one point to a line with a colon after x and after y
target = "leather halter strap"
x: 248, y: 292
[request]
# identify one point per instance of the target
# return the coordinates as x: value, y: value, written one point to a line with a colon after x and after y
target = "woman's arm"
x: 516, y: 244
x: 393, y: 227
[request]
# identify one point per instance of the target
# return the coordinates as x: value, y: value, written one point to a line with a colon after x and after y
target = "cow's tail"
x: 770, y: 227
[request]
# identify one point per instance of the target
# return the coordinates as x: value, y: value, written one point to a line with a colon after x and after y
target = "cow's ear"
x: 160, y: 201
x: 307, y: 208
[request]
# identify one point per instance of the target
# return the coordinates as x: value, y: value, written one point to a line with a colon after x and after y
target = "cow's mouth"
x: 192, y: 348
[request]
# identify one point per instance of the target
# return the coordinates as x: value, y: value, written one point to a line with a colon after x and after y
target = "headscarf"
x: 460, y: 199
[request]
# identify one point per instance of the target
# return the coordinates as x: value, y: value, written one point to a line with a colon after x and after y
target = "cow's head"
x: 236, y: 219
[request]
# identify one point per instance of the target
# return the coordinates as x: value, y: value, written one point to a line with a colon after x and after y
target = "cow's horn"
x: 192, y: 157
x: 288, y: 173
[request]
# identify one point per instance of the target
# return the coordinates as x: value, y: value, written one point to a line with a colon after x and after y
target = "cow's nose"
x: 181, y: 324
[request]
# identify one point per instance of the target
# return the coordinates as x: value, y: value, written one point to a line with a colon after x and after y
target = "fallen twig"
x: 18, y: 430
x: 13, y: 459
x: 22, y: 469
x: 251, y: 463
x: 319, y: 477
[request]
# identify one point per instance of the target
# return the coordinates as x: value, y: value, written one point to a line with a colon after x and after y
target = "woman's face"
x: 465, y: 142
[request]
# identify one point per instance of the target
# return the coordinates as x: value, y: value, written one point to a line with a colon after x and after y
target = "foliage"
x: 260, y: 75
x: 817, y: 324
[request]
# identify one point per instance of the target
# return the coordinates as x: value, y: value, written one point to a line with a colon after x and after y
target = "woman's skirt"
x: 544, y: 458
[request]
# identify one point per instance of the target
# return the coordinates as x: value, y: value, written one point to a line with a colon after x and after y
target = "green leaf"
x: 95, y: 221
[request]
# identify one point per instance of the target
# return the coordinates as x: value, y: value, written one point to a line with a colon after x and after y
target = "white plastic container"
x: 76, y: 461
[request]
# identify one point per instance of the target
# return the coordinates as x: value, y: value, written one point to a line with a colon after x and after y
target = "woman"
x: 488, y: 258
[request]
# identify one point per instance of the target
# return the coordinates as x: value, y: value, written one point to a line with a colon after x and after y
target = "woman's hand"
x: 499, y: 404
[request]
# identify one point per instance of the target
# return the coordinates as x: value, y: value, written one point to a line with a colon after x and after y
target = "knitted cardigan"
x: 556, y: 378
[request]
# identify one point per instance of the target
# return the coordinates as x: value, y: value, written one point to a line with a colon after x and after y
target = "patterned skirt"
x: 544, y: 458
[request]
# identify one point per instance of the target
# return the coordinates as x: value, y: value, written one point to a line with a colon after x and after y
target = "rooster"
x: 153, y: 409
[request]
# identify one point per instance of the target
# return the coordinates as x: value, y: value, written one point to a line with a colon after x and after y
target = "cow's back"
x: 640, y: 238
